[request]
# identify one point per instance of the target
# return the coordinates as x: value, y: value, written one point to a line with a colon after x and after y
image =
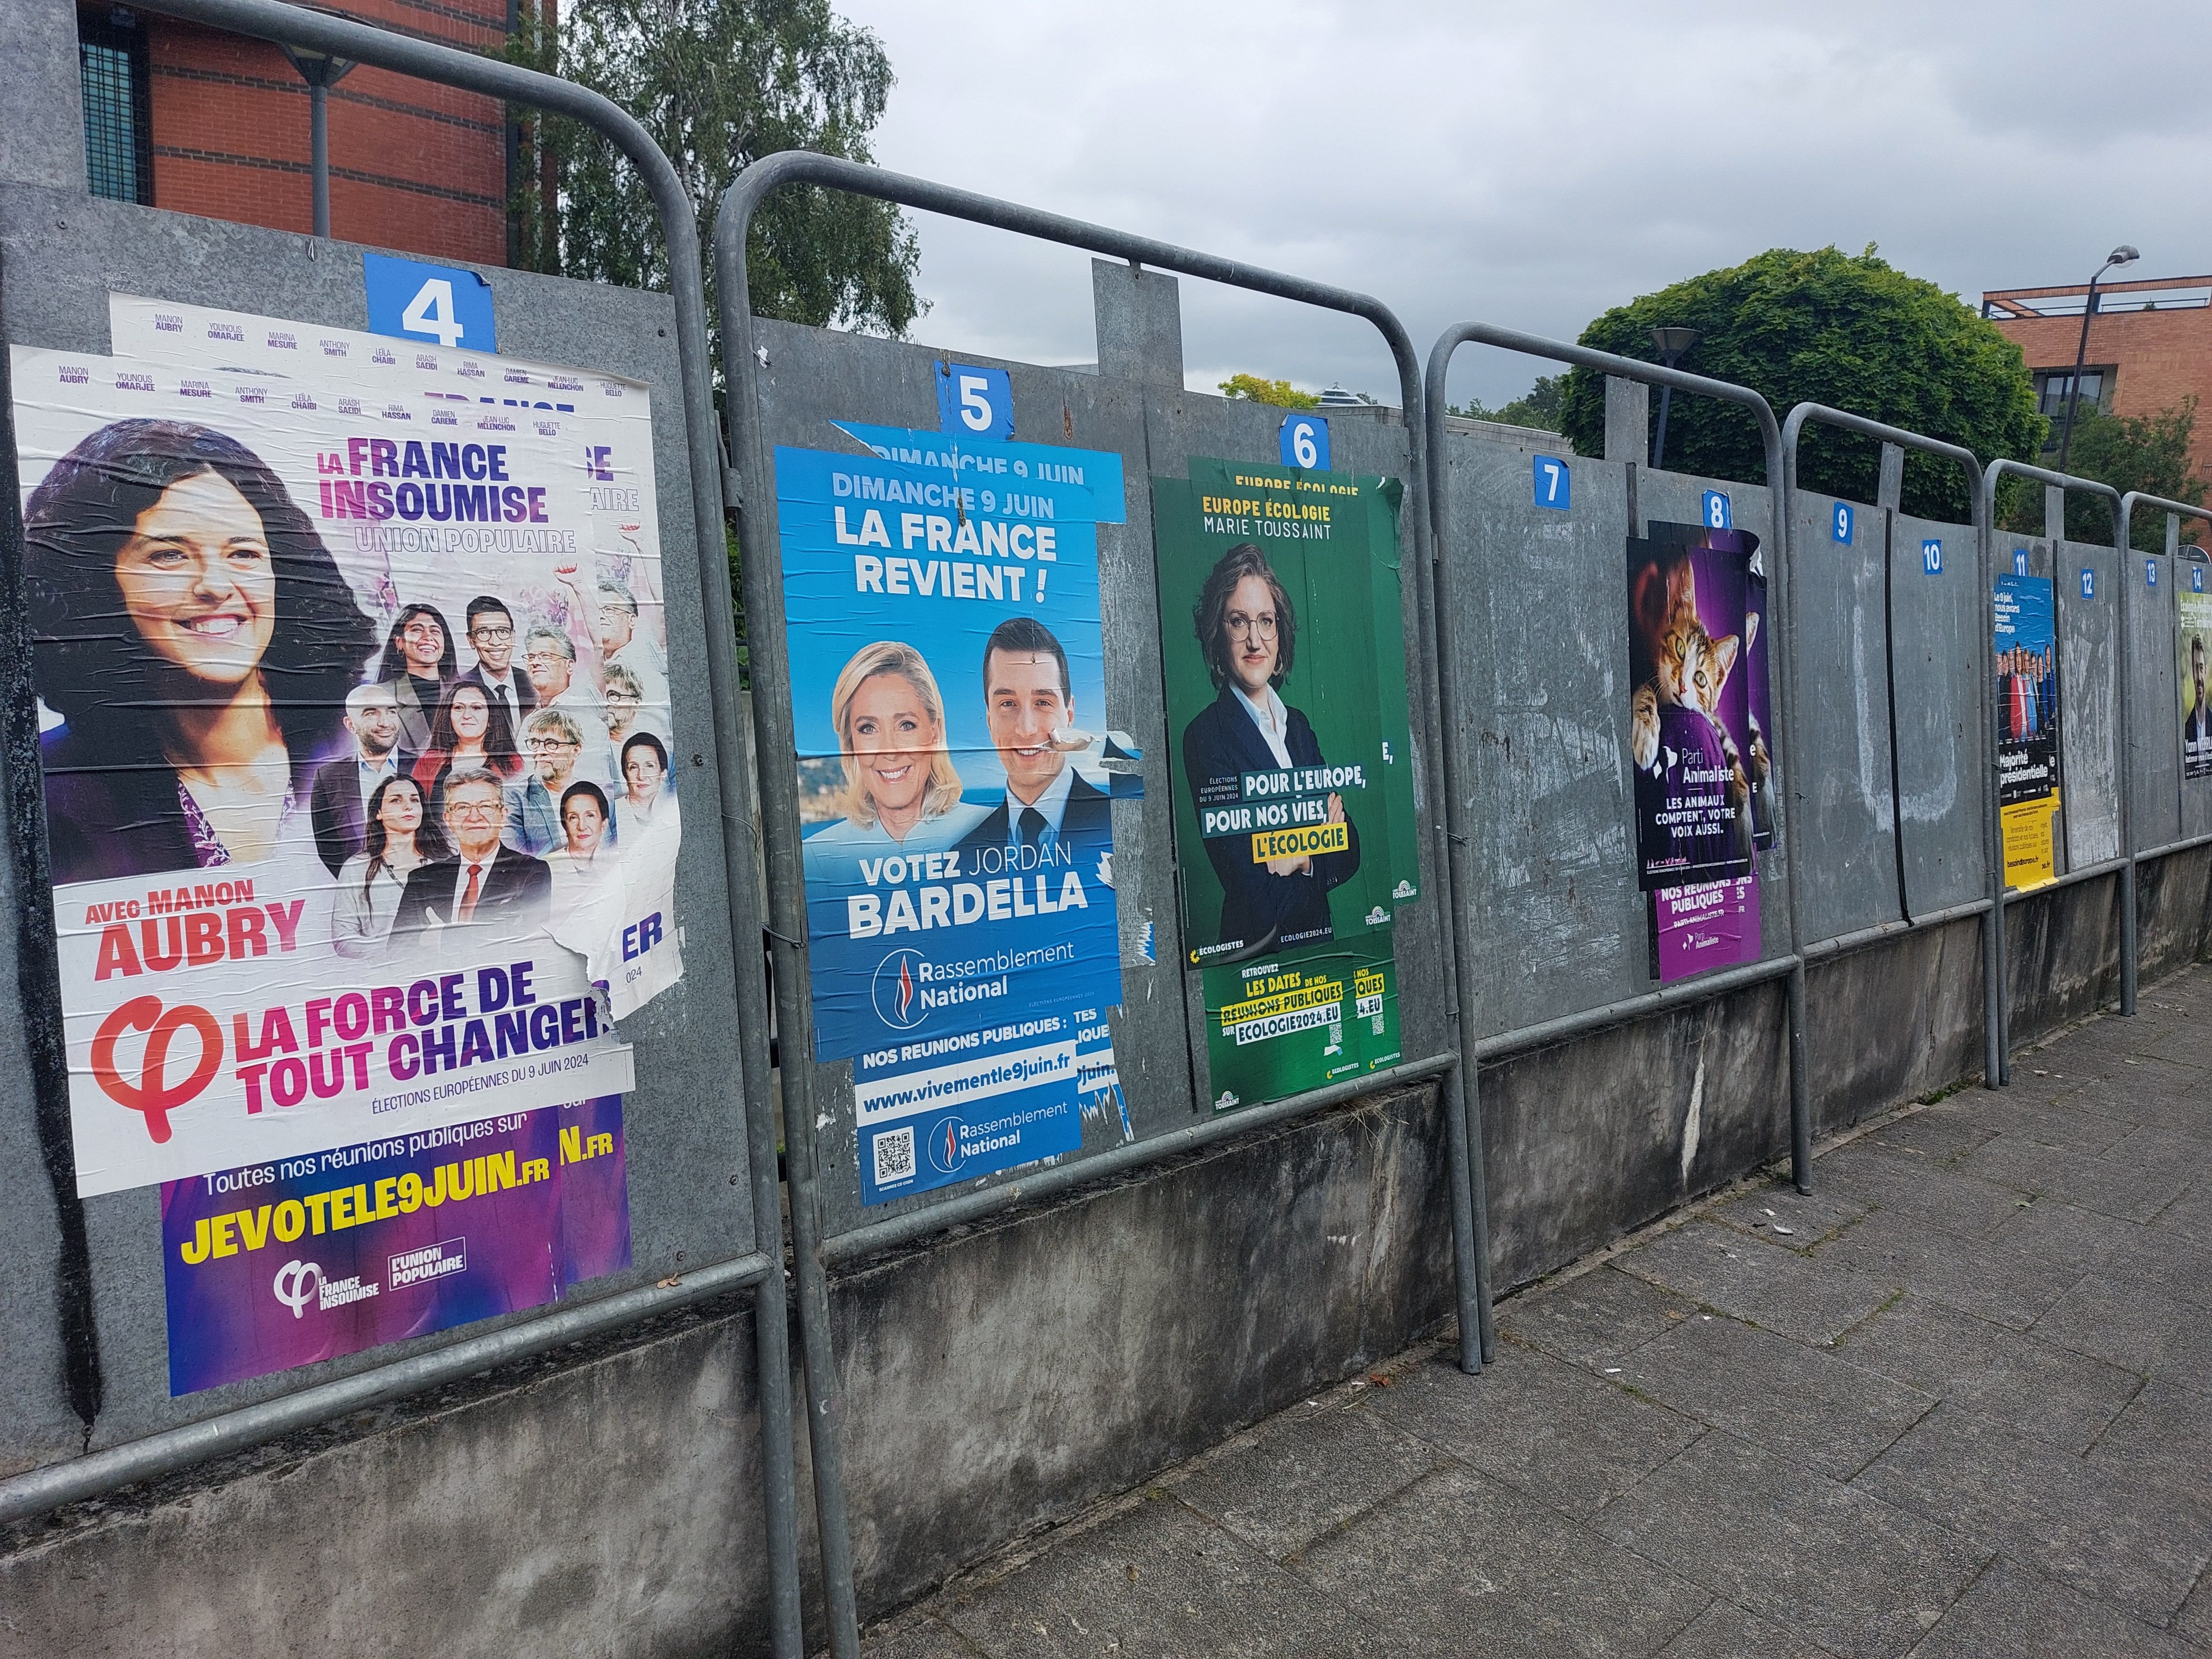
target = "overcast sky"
x: 1532, y: 164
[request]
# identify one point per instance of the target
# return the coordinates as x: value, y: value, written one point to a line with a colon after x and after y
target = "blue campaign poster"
x: 948, y: 690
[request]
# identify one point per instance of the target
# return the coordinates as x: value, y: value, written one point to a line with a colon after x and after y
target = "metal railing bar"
x: 290, y: 25
x: 1456, y: 793
x: 882, y: 1235
x: 2071, y: 877
x: 1719, y: 983
x: 759, y: 537
x: 79, y: 1478
x: 1844, y: 944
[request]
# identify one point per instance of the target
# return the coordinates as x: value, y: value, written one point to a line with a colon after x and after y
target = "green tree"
x: 1823, y: 327
x: 1541, y: 407
x: 718, y: 84
x: 2148, y: 452
x: 1280, y: 393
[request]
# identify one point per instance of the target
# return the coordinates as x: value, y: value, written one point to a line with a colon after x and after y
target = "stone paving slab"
x: 1955, y: 1403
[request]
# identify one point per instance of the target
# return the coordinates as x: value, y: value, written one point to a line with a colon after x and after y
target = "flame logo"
x: 897, y: 991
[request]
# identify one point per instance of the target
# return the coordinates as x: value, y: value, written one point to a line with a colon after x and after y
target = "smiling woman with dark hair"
x: 190, y: 628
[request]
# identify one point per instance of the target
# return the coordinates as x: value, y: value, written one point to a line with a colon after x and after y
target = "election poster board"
x: 1698, y: 715
x: 2027, y: 714
x: 340, y: 888
x: 2194, y: 641
x: 948, y: 692
x: 1296, y: 832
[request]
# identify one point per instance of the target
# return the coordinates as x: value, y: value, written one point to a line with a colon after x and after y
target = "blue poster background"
x: 964, y: 976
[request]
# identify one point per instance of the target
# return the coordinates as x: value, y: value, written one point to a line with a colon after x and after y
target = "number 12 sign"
x: 412, y: 300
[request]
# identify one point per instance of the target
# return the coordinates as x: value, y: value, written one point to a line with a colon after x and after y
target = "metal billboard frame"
x: 759, y: 1269
x: 2130, y: 953
x: 754, y: 493
x: 1704, y: 987
x: 1999, y: 469
x: 1978, y: 496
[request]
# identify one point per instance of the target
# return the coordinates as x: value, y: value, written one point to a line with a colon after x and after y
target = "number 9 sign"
x: 1305, y: 439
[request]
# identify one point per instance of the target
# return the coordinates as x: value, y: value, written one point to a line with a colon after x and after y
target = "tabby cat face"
x: 1693, y: 666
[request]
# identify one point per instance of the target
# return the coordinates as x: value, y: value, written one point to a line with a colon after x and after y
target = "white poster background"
x: 277, y: 981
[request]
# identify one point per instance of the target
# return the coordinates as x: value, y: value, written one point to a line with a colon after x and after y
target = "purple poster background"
x: 1713, y: 924
x: 270, y: 1266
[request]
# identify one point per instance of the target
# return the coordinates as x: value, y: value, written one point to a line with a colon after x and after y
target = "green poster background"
x: 1348, y: 677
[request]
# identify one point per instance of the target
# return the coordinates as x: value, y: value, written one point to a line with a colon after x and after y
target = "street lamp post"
x: 2122, y: 255
x: 1673, y: 343
x: 321, y: 72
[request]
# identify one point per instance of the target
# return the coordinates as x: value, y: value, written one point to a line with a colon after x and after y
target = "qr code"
x: 895, y: 1156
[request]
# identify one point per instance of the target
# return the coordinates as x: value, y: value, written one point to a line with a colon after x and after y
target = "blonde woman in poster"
x: 902, y: 792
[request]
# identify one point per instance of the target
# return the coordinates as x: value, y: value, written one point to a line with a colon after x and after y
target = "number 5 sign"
x: 976, y: 402
x: 440, y: 303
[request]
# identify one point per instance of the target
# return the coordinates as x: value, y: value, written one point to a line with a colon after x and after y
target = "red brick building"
x: 186, y: 117
x: 2150, y: 348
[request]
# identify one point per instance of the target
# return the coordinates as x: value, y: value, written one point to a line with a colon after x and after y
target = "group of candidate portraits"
x: 903, y: 792
x: 222, y: 703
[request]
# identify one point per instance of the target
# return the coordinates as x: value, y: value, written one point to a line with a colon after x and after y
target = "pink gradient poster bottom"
x: 1708, y: 924
x: 270, y: 1266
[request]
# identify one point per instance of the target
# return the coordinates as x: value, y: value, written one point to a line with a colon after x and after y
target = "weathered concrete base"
x: 604, y: 1501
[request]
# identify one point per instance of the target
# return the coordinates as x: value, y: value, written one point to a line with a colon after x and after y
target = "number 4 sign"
x: 417, y: 302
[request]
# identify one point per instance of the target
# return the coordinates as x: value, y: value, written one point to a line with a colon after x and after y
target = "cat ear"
x: 1724, y: 655
x: 1750, y: 629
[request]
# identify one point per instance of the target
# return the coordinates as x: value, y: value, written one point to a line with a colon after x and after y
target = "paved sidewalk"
x: 1958, y: 1402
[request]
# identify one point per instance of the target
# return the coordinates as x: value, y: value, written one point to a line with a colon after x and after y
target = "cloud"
x: 1529, y: 165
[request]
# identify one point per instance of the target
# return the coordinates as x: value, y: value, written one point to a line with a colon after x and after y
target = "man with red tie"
x: 486, y: 887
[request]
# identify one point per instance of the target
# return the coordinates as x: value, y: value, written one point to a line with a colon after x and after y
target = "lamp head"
x: 1673, y: 342
x: 2123, y: 255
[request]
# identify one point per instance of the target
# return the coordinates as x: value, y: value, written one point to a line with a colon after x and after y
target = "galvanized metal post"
x: 2131, y: 944
x: 335, y: 38
x: 1628, y: 369
x: 2122, y: 766
x: 1895, y: 441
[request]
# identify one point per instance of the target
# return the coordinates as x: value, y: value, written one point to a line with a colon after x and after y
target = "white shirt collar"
x: 1271, y: 717
x: 1052, y: 804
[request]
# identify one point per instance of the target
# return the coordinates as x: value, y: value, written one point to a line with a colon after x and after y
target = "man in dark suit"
x: 491, y: 635
x: 339, y: 798
x: 485, y: 885
x: 1028, y: 702
x: 1249, y: 635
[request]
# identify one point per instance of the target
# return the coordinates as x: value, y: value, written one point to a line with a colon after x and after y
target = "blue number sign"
x: 1554, y: 485
x: 975, y: 403
x: 2088, y: 583
x: 1717, y: 510
x: 2020, y: 562
x: 1841, y: 529
x: 2150, y: 572
x: 1305, y: 439
x: 1931, y: 558
x: 415, y: 301
x: 2196, y: 579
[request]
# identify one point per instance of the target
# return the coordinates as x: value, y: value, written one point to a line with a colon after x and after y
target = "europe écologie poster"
x: 1290, y: 749
x: 343, y: 842
x: 948, y: 691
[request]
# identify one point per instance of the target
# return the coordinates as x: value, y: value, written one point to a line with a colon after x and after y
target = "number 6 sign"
x: 1305, y: 439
